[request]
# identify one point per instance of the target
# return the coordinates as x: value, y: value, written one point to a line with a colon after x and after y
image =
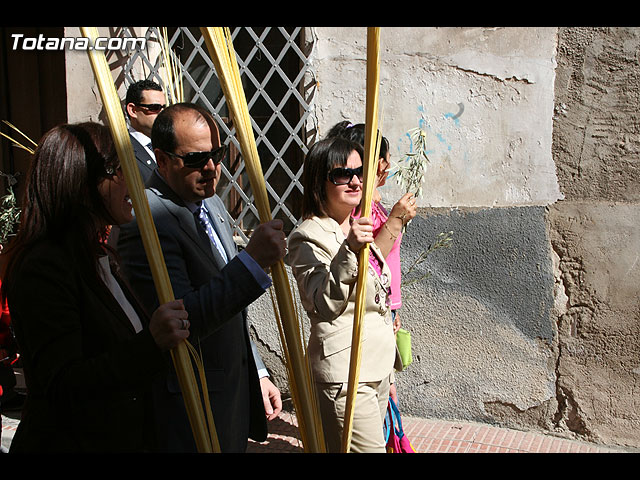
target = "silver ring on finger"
x: 184, y: 324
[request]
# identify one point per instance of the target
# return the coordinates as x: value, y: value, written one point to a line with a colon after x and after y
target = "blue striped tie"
x: 203, y: 217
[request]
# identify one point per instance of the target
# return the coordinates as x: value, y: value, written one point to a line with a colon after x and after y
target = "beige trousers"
x: 368, y: 417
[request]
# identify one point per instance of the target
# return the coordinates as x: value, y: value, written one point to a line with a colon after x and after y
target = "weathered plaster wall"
x: 480, y: 323
x: 595, y: 232
x: 483, y: 95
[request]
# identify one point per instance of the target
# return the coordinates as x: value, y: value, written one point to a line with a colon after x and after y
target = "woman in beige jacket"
x: 323, y: 254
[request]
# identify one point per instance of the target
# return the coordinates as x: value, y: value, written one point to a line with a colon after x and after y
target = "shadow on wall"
x: 499, y: 256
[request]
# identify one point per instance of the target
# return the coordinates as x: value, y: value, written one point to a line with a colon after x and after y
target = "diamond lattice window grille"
x: 139, y: 65
x: 274, y: 69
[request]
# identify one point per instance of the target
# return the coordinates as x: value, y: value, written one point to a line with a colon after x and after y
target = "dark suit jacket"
x: 146, y: 164
x: 216, y: 296
x: 88, y: 374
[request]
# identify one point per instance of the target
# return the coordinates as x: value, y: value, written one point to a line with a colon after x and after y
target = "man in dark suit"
x: 215, y: 282
x: 144, y: 101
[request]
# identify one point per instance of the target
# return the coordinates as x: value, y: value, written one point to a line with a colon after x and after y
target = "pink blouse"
x: 379, y: 216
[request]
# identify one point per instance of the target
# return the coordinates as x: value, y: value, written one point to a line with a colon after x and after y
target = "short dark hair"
x: 320, y: 160
x: 356, y: 133
x: 163, y: 135
x: 134, y: 92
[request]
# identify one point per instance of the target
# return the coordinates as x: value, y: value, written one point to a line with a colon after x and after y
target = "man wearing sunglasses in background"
x: 144, y: 101
x: 216, y: 283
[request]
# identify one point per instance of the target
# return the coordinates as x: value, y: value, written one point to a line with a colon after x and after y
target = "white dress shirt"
x: 144, y: 141
x: 114, y: 287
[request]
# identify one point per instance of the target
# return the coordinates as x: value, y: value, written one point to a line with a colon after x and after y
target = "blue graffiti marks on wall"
x: 423, y: 125
x: 456, y: 117
x: 438, y: 147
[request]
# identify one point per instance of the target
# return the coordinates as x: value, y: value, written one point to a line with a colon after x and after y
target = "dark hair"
x: 163, y: 134
x: 61, y: 201
x: 134, y: 92
x: 320, y: 160
x: 356, y: 133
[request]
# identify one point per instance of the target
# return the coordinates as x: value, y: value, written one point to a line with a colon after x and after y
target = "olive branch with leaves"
x: 443, y: 240
x: 410, y: 175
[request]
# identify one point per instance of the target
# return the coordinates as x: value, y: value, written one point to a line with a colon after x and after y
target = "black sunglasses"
x: 343, y: 175
x: 151, y: 107
x: 200, y: 159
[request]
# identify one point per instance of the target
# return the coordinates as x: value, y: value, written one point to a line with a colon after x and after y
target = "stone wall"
x: 595, y: 233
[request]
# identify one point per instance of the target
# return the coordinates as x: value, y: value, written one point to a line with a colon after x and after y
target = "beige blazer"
x: 326, y: 271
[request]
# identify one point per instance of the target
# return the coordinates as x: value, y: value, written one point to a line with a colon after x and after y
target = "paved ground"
x: 426, y: 435
x: 438, y: 436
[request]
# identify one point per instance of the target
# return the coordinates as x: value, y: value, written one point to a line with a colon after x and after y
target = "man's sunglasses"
x: 151, y: 107
x: 200, y: 159
x: 343, y: 175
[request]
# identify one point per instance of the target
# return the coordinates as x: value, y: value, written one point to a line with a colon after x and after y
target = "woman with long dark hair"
x: 88, y: 350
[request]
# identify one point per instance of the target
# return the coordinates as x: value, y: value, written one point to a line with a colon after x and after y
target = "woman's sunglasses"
x: 343, y: 175
x: 200, y: 159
